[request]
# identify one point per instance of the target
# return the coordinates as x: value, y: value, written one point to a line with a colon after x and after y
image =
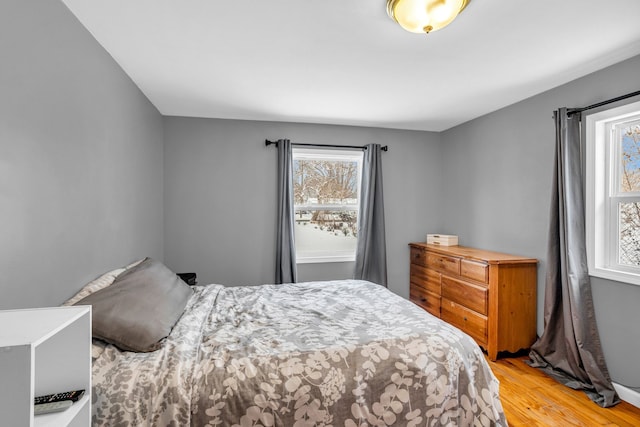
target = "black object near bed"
x: 190, y: 279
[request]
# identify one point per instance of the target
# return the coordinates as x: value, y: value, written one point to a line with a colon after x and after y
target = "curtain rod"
x: 357, y: 147
x: 572, y: 111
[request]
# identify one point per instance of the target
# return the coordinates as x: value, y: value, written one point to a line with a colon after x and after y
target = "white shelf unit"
x: 45, y: 351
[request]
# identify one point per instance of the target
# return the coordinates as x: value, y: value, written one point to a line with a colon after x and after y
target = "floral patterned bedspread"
x: 341, y: 353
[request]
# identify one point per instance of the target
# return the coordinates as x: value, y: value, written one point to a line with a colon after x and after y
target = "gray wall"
x: 220, y: 196
x: 80, y: 158
x: 498, y: 175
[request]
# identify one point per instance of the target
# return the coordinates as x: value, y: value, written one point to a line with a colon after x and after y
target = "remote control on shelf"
x: 73, y: 396
x: 45, y: 408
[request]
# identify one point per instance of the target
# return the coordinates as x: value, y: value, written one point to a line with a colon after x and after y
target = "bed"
x: 337, y: 353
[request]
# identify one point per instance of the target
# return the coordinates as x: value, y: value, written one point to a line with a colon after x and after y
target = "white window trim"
x: 601, y: 256
x: 319, y: 257
x: 324, y: 257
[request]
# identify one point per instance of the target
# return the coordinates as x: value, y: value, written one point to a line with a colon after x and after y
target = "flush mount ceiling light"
x: 424, y: 16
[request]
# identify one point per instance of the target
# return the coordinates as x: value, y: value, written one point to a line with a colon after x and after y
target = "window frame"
x: 603, y: 195
x: 337, y: 154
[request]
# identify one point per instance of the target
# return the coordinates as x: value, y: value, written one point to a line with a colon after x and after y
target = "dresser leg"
x: 493, y: 354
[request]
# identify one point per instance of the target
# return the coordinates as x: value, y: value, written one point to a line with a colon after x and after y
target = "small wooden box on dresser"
x: 491, y: 296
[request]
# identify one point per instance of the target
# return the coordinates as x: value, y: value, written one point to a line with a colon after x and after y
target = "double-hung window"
x: 613, y: 193
x: 326, y: 185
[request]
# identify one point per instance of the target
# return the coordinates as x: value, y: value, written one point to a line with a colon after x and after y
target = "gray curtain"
x: 285, y: 246
x: 569, y: 349
x: 371, y: 252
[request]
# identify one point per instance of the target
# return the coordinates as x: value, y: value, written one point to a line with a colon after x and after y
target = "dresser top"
x: 489, y: 257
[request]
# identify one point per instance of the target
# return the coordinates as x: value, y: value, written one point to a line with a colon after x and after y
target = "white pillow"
x: 100, y: 283
x: 133, y: 264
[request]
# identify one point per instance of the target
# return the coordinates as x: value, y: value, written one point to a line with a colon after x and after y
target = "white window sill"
x: 324, y: 259
x: 617, y: 275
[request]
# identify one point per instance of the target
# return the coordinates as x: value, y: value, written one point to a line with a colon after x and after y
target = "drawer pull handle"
x: 465, y: 318
x: 423, y: 299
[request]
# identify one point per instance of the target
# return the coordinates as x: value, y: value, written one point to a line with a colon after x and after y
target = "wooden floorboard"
x: 531, y: 398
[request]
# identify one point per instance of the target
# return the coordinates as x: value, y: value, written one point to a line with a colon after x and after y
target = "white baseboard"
x: 628, y: 394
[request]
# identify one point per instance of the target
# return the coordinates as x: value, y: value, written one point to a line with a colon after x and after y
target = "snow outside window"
x: 613, y: 193
x: 326, y: 185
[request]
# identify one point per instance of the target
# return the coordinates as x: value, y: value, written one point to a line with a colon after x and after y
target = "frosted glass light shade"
x: 424, y: 16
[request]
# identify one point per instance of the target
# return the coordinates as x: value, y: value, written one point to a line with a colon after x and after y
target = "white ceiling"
x: 346, y: 62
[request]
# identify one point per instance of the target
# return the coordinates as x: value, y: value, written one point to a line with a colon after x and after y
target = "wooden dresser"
x: 489, y: 295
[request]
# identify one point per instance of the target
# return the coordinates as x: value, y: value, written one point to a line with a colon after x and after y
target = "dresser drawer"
x: 469, y: 321
x: 474, y: 270
x: 469, y: 295
x: 425, y: 278
x: 418, y: 257
x: 425, y: 299
x: 443, y: 263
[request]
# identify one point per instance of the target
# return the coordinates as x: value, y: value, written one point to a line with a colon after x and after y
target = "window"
x: 326, y: 186
x: 613, y: 193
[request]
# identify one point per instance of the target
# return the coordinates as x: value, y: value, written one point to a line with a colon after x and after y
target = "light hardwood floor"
x: 531, y: 398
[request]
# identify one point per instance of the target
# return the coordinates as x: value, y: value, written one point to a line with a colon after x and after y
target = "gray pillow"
x: 140, y: 308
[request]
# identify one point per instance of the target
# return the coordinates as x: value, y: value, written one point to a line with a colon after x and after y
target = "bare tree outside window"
x: 629, y: 212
